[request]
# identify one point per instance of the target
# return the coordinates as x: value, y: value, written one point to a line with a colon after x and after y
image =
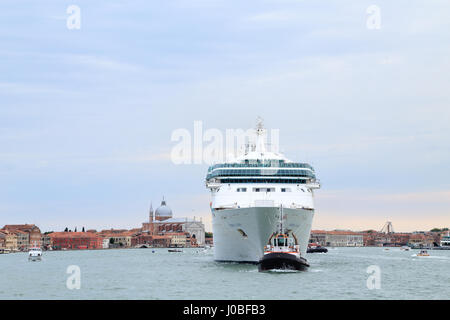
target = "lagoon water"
x: 193, y: 274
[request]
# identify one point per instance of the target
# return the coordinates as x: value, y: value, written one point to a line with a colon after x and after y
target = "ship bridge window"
x: 263, y: 189
x: 285, y: 189
x: 241, y: 189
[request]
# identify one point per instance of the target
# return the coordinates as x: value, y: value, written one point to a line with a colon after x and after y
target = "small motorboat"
x: 316, y: 248
x: 405, y: 248
x: 282, y: 252
x: 35, y: 253
x: 423, y: 253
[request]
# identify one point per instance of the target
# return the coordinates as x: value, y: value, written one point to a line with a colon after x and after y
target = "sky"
x: 87, y: 115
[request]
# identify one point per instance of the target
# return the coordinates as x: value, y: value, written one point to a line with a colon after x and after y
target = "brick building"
x: 75, y: 240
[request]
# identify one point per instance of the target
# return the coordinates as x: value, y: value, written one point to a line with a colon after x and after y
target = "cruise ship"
x: 247, y: 194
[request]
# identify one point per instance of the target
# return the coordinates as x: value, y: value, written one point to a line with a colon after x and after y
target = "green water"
x: 141, y: 274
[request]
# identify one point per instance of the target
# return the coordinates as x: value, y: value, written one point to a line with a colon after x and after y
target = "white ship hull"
x: 241, y: 234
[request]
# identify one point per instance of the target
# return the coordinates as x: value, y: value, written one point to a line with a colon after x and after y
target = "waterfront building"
x: 319, y: 237
x: 161, y: 241
x: 28, y: 235
x: 2, y: 240
x: 117, y: 238
x: 10, y: 240
x: 23, y: 239
x: 76, y: 240
x: 337, y: 238
x: 421, y: 240
x: 105, y: 243
x: 46, y: 241
x: 178, y: 239
x: 142, y: 239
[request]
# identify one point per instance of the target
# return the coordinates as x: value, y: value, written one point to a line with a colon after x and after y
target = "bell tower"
x: 150, y: 220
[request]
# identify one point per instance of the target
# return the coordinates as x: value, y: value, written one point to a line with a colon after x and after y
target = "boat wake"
x: 283, y: 271
x: 430, y: 257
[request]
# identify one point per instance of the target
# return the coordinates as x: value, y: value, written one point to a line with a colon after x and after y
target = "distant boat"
x: 174, y: 250
x: 35, y: 253
x: 423, y: 253
x: 405, y: 248
x: 316, y: 248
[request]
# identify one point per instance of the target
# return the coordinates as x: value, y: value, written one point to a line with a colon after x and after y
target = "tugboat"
x: 282, y: 252
x: 35, y: 253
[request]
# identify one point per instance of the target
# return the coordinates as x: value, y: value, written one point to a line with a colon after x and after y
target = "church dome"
x: 163, y: 212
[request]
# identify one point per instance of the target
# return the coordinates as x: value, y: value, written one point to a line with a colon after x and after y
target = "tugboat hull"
x: 282, y: 261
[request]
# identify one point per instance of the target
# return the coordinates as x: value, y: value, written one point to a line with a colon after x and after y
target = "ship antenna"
x: 260, y: 136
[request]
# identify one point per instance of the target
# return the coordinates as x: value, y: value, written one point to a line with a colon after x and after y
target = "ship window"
x: 241, y: 189
x: 263, y: 189
x: 285, y: 189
